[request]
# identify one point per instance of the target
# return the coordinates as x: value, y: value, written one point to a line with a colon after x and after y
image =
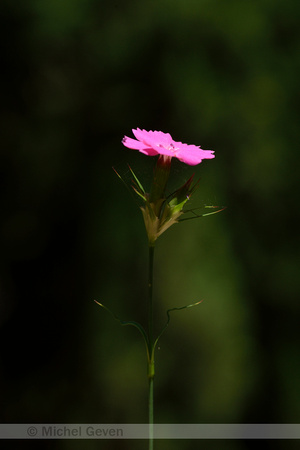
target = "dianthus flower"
x: 154, y: 143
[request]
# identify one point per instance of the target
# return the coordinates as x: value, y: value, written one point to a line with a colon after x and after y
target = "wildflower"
x: 154, y: 143
x: 161, y: 211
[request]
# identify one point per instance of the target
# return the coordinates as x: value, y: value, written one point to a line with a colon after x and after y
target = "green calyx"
x: 160, y: 179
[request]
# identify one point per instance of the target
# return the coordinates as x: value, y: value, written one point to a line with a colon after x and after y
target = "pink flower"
x: 154, y: 143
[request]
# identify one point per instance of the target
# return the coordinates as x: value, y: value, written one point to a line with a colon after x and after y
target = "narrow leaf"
x: 168, y: 320
x: 137, y: 180
x: 129, y: 322
x: 196, y: 216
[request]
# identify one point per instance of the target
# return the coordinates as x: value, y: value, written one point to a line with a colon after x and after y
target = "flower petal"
x: 192, y: 154
x: 154, y: 139
x: 137, y: 145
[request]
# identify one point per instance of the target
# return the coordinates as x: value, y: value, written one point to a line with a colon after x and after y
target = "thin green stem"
x: 151, y: 345
x: 150, y: 305
x: 151, y: 413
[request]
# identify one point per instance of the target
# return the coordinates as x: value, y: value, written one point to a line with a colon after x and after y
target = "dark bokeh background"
x: 76, y: 76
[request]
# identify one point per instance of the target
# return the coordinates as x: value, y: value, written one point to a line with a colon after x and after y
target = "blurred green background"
x: 76, y: 76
